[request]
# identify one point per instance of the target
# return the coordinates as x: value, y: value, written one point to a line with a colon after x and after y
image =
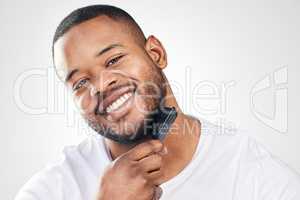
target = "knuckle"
x: 128, y: 155
x: 143, y: 181
x: 119, y: 163
x: 155, y: 144
x: 158, y: 158
x: 134, y: 170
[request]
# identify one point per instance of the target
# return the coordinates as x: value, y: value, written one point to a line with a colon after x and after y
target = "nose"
x: 102, y: 82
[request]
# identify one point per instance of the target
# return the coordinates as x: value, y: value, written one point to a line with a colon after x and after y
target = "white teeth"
x: 123, y: 98
x: 117, y: 103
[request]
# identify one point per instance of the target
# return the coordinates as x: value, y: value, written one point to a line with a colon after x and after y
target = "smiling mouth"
x: 118, y: 103
x: 115, y: 99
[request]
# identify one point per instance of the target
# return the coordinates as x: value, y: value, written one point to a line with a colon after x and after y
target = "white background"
x: 212, y: 41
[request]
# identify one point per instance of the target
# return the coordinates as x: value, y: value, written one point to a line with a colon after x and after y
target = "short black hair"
x: 83, y: 14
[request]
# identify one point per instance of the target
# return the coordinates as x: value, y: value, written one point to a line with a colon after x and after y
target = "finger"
x: 157, y: 193
x: 154, y: 177
x: 151, y: 163
x: 145, y: 149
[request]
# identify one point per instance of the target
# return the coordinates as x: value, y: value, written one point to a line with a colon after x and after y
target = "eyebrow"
x: 70, y: 74
x: 106, y: 49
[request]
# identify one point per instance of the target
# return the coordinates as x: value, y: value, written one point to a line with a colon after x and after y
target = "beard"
x: 143, y: 131
x: 143, y: 128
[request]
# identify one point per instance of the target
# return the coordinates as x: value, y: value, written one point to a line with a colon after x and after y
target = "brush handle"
x: 166, y: 118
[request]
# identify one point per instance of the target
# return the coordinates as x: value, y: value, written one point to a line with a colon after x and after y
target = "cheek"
x: 148, y: 97
x: 139, y: 67
x: 150, y: 83
x: 85, y: 103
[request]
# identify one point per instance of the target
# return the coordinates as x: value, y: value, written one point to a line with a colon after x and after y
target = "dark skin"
x: 125, y: 62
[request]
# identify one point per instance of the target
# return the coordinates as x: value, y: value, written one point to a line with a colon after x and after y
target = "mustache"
x: 104, y: 94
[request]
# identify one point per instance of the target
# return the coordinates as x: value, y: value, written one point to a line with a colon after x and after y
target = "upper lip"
x: 108, y: 97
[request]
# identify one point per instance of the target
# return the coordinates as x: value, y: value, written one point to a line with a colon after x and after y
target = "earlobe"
x: 156, y: 51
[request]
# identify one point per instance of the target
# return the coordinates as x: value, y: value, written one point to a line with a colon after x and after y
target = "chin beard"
x: 143, y: 132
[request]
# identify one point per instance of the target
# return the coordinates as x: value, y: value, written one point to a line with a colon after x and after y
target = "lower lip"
x: 122, y: 110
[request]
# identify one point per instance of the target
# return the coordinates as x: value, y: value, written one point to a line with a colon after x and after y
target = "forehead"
x: 87, y: 38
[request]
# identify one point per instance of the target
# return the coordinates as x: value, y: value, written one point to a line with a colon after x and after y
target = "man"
x: 116, y: 76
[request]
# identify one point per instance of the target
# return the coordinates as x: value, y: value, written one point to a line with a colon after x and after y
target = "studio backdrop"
x: 234, y: 63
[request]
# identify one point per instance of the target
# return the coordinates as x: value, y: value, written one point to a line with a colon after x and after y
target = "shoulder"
x: 257, y: 169
x: 46, y: 183
x: 274, y: 177
x: 66, y: 174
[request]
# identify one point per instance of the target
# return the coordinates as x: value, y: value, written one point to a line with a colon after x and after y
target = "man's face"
x: 114, y: 79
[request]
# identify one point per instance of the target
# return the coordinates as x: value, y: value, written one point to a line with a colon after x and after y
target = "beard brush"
x: 162, y: 122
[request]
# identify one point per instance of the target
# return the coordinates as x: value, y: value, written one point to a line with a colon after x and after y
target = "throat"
x: 182, y: 144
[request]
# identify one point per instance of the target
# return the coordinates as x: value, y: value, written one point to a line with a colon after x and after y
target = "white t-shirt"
x: 225, y: 166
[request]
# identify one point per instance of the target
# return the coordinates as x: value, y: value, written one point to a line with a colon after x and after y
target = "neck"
x: 181, y: 143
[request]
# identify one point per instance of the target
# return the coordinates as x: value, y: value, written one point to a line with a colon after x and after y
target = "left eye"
x: 114, y: 60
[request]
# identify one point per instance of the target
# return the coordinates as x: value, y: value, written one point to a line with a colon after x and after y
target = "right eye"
x: 79, y: 84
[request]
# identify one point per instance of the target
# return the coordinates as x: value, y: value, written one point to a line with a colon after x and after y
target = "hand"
x: 133, y: 176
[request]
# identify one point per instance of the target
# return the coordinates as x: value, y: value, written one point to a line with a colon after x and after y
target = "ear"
x: 156, y: 51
